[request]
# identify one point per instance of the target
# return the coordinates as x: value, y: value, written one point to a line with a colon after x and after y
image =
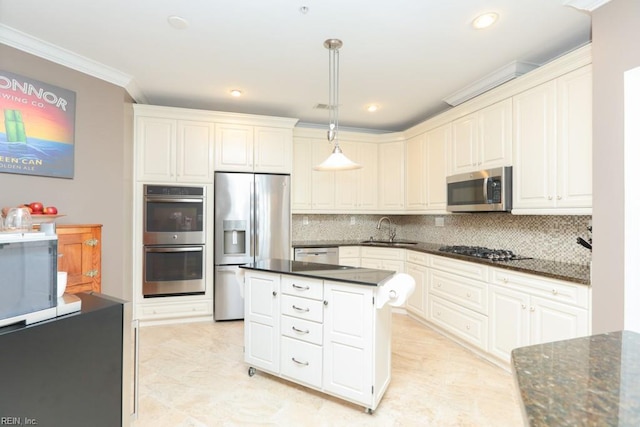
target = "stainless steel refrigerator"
x: 252, y: 222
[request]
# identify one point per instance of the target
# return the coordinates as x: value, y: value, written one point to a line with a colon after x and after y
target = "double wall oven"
x: 174, y: 240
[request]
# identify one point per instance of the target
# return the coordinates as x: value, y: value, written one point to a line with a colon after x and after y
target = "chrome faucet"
x: 392, y: 231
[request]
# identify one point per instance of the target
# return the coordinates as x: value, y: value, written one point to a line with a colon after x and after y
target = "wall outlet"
x: 439, y: 221
x: 305, y: 220
x: 353, y: 220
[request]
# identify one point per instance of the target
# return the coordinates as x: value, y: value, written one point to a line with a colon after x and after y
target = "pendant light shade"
x: 337, y: 160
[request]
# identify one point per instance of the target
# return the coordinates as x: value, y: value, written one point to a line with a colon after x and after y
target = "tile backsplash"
x: 538, y: 236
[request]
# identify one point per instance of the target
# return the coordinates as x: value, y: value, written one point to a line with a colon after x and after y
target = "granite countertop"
x: 592, y: 381
x: 576, y: 273
x: 360, y: 276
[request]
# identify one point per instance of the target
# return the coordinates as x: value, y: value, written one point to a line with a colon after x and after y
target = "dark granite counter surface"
x: 590, y: 381
x: 360, y: 276
x: 576, y: 273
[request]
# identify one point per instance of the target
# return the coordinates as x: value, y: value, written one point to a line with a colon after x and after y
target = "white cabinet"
x: 416, y: 172
x: 169, y: 150
x: 483, y: 139
x: 382, y: 258
x: 527, y: 310
x: 301, y: 177
x: 353, y: 189
x: 552, y: 144
x: 349, y: 255
x: 262, y: 321
x: 323, y: 183
x: 326, y: 335
x: 253, y: 148
x: 417, y: 267
x: 391, y: 176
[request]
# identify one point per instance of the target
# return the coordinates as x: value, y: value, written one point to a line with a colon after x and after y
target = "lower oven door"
x: 173, y: 270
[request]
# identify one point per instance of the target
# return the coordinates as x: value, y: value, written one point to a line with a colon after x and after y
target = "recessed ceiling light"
x: 372, y: 107
x: 177, y: 22
x: 235, y: 92
x: 485, y: 20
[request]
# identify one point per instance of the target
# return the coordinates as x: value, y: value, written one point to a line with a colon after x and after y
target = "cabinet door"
x: 155, y: 149
x: 534, y: 147
x: 495, y: 135
x: 348, y: 341
x: 262, y: 321
x: 509, y: 321
x: 464, y: 138
x: 346, y: 182
x: 574, y: 140
x: 323, y: 182
x: 437, y: 148
x: 272, y: 150
x: 194, y: 152
x: 416, y: 173
x: 391, y: 175
x: 367, y: 156
x: 79, y: 251
x: 553, y: 321
x: 234, y: 148
x: 417, y: 301
x: 301, y: 176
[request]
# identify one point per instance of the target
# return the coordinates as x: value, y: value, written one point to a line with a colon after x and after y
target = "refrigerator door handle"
x: 253, y: 236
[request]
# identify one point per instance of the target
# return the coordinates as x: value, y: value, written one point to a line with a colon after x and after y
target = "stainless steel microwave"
x: 487, y: 190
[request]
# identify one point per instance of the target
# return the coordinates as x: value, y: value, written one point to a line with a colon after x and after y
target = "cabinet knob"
x: 91, y: 273
x: 325, y: 302
x: 505, y: 280
x: 524, y: 306
x: 554, y: 291
x: 549, y: 198
x: 532, y: 309
x: 91, y: 242
x: 468, y: 294
x: 274, y: 293
x: 559, y: 197
x: 468, y: 327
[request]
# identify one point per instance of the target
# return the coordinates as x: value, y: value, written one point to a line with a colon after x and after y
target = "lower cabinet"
x: 79, y: 254
x: 417, y: 267
x: 325, y: 335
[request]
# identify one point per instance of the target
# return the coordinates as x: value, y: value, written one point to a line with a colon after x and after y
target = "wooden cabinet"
x: 427, y: 167
x: 253, y: 148
x: 483, y: 139
x: 552, y: 167
x: 391, y: 176
x: 169, y: 150
x: 326, y: 335
x: 527, y: 310
x: 79, y: 254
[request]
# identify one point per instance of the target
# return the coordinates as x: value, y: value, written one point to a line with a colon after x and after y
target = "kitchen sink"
x: 388, y: 243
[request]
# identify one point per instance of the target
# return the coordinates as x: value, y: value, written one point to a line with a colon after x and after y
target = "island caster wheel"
x: 368, y: 411
x: 252, y: 371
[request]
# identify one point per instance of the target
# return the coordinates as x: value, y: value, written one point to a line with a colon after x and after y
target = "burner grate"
x: 482, y: 252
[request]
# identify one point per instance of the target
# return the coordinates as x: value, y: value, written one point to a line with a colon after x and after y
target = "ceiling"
x: 404, y: 55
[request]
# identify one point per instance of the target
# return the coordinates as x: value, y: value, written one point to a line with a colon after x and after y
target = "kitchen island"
x: 324, y: 326
x: 593, y: 381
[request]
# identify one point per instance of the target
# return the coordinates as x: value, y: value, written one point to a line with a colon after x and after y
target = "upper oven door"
x: 174, y: 219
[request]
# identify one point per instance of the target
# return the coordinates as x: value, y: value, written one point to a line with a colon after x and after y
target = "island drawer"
x: 301, y: 361
x: 302, y: 308
x: 301, y: 329
x: 301, y: 286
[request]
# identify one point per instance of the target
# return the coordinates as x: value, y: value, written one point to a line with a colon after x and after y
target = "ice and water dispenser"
x: 235, y: 237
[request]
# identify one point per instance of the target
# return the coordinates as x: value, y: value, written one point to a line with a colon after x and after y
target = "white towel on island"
x: 395, y: 291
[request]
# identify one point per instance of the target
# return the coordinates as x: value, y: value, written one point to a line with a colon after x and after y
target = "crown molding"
x: 40, y: 48
x: 588, y: 5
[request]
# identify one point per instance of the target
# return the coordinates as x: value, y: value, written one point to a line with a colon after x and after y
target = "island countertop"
x: 339, y: 273
x: 593, y: 381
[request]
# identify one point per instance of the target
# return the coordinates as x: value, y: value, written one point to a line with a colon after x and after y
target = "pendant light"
x: 337, y: 160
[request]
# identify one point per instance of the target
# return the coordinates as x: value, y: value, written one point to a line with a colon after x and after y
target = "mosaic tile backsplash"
x: 538, y: 236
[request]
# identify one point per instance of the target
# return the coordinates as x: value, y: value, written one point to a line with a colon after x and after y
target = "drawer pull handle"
x: 300, y: 330
x: 300, y: 288
x: 300, y: 363
x: 91, y: 242
x: 304, y: 310
x: 91, y: 273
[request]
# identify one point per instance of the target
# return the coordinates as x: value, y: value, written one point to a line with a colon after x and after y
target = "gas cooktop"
x: 482, y: 252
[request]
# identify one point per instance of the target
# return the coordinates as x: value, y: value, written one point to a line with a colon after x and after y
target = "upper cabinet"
x: 169, y: 150
x: 391, y: 176
x: 552, y: 145
x: 353, y: 189
x: 180, y: 145
x: 427, y: 166
x: 253, y: 148
x: 483, y: 139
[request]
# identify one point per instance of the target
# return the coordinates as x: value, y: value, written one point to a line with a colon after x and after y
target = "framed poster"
x: 37, y: 127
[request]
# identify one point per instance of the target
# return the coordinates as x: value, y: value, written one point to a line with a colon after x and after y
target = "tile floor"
x: 194, y: 375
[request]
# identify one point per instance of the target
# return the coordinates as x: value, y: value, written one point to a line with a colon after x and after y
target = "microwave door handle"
x: 485, y: 191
